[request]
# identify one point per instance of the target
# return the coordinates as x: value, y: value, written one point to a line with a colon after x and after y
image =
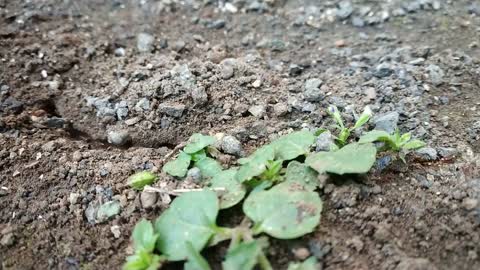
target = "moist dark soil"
x: 74, y: 73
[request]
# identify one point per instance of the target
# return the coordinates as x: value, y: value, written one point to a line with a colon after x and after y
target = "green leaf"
x: 197, y: 142
x: 209, y: 167
x: 234, y: 191
x: 255, y: 164
x: 363, y: 119
x: 286, y: 211
x: 195, y: 259
x: 179, y: 166
x: 335, y: 114
x: 353, y: 158
x: 301, y: 174
x: 191, y: 217
x: 405, y: 138
x: 197, y: 156
x: 143, y: 260
x: 308, y: 264
x: 375, y: 136
x: 292, y: 145
x: 413, y: 145
x: 143, y: 236
x: 141, y: 179
x: 242, y: 257
x: 273, y: 170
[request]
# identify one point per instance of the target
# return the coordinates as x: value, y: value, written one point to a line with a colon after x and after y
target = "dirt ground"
x: 76, y: 76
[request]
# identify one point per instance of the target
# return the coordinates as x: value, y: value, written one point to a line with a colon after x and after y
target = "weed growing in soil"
x: 276, y: 187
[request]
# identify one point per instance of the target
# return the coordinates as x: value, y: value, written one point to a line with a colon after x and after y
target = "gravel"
x: 194, y: 174
x: 258, y: 111
x: 118, y: 137
x: 230, y: 145
x: 426, y: 154
x: 148, y: 199
x: 145, y: 42
x: 415, y: 264
x: 324, y: 142
x: 312, y: 90
x: 387, y: 122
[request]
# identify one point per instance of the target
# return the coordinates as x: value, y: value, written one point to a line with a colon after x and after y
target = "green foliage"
x: 394, y: 142
x: 301, y: 174
x: 209, y: 167
x: 234, y: 191
x: 141, y: 179
x: 198, y: 142
x: 344, y: 132
x: 144, y: 240
x: 286, y: 211
x: 179, y: 166
x: 242, y: 257
x: 292, y: 145
x: 280, y: 197
x: 353, y: 158
x: 309, y: 264
x: 190, y: 218
x: 195, y: 260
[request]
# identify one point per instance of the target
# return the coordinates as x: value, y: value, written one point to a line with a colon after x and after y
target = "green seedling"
x: 144, y: 240
x: 396, y: 142
x: 344, y: 132
x: 277, y: 190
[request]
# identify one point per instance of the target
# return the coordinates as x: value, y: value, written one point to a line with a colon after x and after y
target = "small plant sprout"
x: 345, y: 132
x: 393, y: 142
x: 141, y: 179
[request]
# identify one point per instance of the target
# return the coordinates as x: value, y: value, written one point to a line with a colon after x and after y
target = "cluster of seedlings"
x: 276, y: 184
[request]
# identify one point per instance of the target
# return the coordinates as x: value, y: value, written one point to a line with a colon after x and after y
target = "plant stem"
x: 264, y: 263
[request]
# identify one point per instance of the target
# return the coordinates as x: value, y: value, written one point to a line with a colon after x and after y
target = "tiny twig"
x: 176, y: 192
x: 169, y: 155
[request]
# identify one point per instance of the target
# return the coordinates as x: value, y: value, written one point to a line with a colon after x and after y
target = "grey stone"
x: 294, y: 70
x: 426, y: 154
x: 119, y: 52
x: 217, y: 24
x: 118, y: 137
x: 148, y: 199
x: 121, y: 109
x: 179, y: 45
x: 142, y: 105
x: 175, y: 110
x: 387, y: 122
x: 258, y: 111
x: 474, y: 8
x: 280, y: 109
x: 324, y: 142
x: 415, y: 264
x: 447, y: 152
x: 145, y: 42
x: 199, y: 95
x: 312, y: 90
x: 194, y: 174
x: 73, y: 198
x: 358, y: 22
x: 383, y: 70
x: 7, y: 240
x: 231, y: 145
x: 227, y: 72
x: 345, y: 9
x: 107, y: 210
x: 436, y: 74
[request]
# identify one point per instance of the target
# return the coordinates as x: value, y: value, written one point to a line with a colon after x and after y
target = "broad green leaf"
x: 262, y: 155
x: 234, y: 191
x: 308, y: 264
x: 191, y: 217
x: 195, y: 259
x: 242, y: 257
x: 375, y: 136
x: 197, y: 156
x: 286, y: 211
x: 209, y: 167
x: 414, y: 144
x: 179, y: 166
x: 363, y: 119
x: 255, y: 164
x: 301, y: 174
x: 143, y: 260
x: 197, y: 142
x: 293, y: 145
x: 143, y: 236
x: 353, y: 158
x: 141, y: 179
